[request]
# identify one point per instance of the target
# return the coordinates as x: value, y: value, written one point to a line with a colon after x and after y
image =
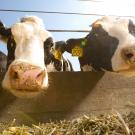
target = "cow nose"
x: 26, y: 77
x: 129, y: 54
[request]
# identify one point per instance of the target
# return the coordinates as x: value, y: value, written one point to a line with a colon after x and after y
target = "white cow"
x: 26, y: 75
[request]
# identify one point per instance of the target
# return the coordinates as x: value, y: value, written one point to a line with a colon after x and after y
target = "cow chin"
x: 130, y: 72
x: 124, y: 67
x: 26, y: 94
x: 24, y: 91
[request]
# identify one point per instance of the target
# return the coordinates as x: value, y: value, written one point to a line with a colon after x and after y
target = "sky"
x: 57, y: 21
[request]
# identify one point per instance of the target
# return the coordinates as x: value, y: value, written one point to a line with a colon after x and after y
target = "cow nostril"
x: 40, y: 76
x: 15, y: 76
x: 129, y: 55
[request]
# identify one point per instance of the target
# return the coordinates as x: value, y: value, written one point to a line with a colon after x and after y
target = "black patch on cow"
x: 131, y: 28
x: 3, y: 61
x: 67, y: 64
x: 57, y: 64
x: 6, y: 32
x: 49, y: 57
x: 11, y: 45
x: 99, y: 49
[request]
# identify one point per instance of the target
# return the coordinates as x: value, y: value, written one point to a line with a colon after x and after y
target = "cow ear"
x: 4, y: 32
x: 3, y: 39
x: 1, y: 24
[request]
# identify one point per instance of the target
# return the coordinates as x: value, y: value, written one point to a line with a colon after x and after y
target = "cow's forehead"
x: 32, y: 19
x: 115, y: 22
x: 115, y: 27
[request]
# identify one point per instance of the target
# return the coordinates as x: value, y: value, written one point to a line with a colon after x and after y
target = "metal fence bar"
x: 68, y: 30
x: 55, y: 12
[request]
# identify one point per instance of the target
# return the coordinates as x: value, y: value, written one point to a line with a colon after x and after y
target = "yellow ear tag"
x: 77, y: 51
x: 57, y: 54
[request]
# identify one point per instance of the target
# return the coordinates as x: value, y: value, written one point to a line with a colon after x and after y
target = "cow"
x: 51, y: 60
x: 26, y: 74
x: 54, y: 60
x: 110, y: 45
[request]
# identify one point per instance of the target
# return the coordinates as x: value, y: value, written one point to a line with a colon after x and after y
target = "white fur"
x: 68, y: 68
x: 86, y: 68
x: 118, y: 27
x: 29, y: 36
x: 50, y: 67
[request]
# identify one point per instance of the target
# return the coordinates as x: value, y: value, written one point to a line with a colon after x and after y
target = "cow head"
x: 120, y: 34
x: 26, y: 74
x: 54, y: 60
x: 61, y: 63
x: 110, y: 45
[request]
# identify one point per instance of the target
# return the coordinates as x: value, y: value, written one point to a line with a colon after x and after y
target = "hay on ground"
x: 111, y: 124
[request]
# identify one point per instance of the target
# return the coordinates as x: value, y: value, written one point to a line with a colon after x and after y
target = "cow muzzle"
x: 129, y: 55
x: 25, y: 77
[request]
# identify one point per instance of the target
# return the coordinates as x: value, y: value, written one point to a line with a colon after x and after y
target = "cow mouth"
x: 25, y: 90
x: 28, y: 86
x: 24, y: 94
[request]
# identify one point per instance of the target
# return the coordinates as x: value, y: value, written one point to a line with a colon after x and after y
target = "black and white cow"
x: 25, y: 42
x: 54, y: 60
x: 26, y: 71
x: 110, y: 45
